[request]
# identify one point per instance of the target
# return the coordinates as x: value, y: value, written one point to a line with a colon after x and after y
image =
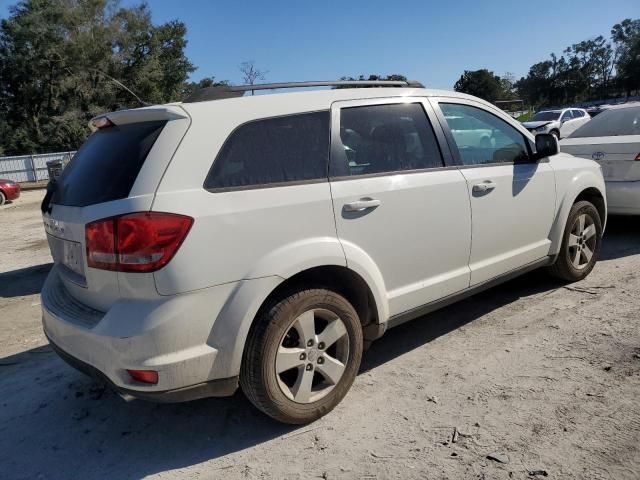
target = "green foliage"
x: 393, y: 77
x: 588, y: 70
x: 58, y: 59
x: 485, y: 84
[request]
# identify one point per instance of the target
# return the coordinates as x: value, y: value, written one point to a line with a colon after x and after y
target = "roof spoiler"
x: 136, y: 115
x: 225, y: 91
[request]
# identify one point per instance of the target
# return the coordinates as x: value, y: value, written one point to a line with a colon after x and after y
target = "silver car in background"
x: 613, y: 140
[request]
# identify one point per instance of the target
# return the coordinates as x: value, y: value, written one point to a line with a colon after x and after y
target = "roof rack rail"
x: 222, y: 92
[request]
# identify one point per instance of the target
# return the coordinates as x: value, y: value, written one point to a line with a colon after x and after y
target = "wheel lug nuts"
x: 321, y: 346
x: 310, y: 343
x: 309, y: 367
x: 303, y: 356
x: 320, y: 361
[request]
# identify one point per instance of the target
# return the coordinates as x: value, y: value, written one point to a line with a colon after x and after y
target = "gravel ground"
x: 527, y: 380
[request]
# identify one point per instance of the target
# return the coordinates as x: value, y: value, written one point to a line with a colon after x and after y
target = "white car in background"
x: 613, y: 140
x: 469, y: 132
x: 560, y: 123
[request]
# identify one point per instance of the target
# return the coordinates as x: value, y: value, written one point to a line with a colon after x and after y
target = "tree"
x: 65, y: 61
x: 626, y: 38
x: 251, y: 73
x: 190, y: 87
x: 373, y: 77
x: 480, y: 83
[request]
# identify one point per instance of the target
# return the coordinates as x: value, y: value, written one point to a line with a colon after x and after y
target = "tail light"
x: 136, y: 242
x: 637, y: 159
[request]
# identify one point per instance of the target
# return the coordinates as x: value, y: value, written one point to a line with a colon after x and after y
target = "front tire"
x: 580, y: 243
x: 556, y: 134
x: 302, y: 356
x: 3, y: 198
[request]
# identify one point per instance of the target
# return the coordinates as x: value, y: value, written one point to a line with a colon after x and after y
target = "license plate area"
x: 69, y: 254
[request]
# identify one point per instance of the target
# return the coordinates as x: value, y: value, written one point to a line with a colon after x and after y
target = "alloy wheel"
x: 312, y: 356
x: 582, y: 241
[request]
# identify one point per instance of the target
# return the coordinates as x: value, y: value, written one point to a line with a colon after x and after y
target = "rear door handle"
x: 484, y: 186
x: 362, y: 204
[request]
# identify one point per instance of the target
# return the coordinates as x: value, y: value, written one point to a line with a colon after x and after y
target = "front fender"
x: 570, y: 184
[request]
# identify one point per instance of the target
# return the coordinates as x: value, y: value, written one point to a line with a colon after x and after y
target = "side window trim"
x: 435, y: 103
x: 336, y: 142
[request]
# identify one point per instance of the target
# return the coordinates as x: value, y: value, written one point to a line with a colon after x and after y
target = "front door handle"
x: 484, y: 186
x: 362, y: 204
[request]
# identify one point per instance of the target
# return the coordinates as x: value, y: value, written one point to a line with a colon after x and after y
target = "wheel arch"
x: 584, y: 187
x: 250, y: 299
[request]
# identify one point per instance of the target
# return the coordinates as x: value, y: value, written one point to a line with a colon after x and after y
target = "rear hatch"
x: 115, y: 172
x: 618, y: 156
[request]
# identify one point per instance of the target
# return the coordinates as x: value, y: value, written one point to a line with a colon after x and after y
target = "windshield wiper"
x: 45, y: 206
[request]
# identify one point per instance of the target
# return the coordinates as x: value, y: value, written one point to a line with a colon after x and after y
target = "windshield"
x: 615, y: 122
x: 545, y: 116
x: 107, y: 164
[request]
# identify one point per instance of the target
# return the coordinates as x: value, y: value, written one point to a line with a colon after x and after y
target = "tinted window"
x: 107, y: 164
x: 385, y: 138
x: 577, y: 113
x: 619, y: 121
x: 545, y: 116
x: 482, y: 137
x: 566, y: 116
x: 273, y: 151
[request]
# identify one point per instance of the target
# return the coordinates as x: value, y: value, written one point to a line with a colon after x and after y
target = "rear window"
x: 615, y: 122
x: 273, y: 151
x: 107, y: 164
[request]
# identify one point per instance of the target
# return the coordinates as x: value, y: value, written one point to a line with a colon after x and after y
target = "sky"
x: 432, y: 42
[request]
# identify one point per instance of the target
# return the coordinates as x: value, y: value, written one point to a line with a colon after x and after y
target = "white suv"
x: 560, y: 123
x: 266, y: 240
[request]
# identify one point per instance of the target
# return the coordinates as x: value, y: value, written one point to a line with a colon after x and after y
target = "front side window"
x: 385, y: 138
x: 566, y: 116
x: 272, y: 151
x: 481, y: 137
x: 577, y: 113
x: 614, y: 122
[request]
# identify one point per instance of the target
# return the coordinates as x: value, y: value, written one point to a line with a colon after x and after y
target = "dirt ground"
x: 542, y: 377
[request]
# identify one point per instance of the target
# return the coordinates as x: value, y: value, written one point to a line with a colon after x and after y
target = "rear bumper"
x: 623, y: 198
x: 171, y: 335
x: 223, y: 387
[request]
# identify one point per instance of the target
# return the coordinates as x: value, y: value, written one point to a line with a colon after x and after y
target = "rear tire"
x: 302, y: 356
x: 580, y: 243
x: 3, y: 198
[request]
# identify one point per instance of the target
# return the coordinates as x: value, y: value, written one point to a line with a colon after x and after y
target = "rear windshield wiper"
x: 45, y: 206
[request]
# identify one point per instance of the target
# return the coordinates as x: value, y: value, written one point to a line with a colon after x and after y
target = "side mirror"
x: 546, y: 146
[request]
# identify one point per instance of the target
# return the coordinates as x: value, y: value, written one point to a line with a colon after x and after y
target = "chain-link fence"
x: 30, y: 168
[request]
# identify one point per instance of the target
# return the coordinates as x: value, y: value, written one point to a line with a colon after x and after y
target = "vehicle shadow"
x: 621, y: 237
x: 25, y: 281
x: 57, y: 423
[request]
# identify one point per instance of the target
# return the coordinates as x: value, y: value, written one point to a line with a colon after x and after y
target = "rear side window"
x: 385, y: 138
x: 106, y: 165
x: 273, y: 151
